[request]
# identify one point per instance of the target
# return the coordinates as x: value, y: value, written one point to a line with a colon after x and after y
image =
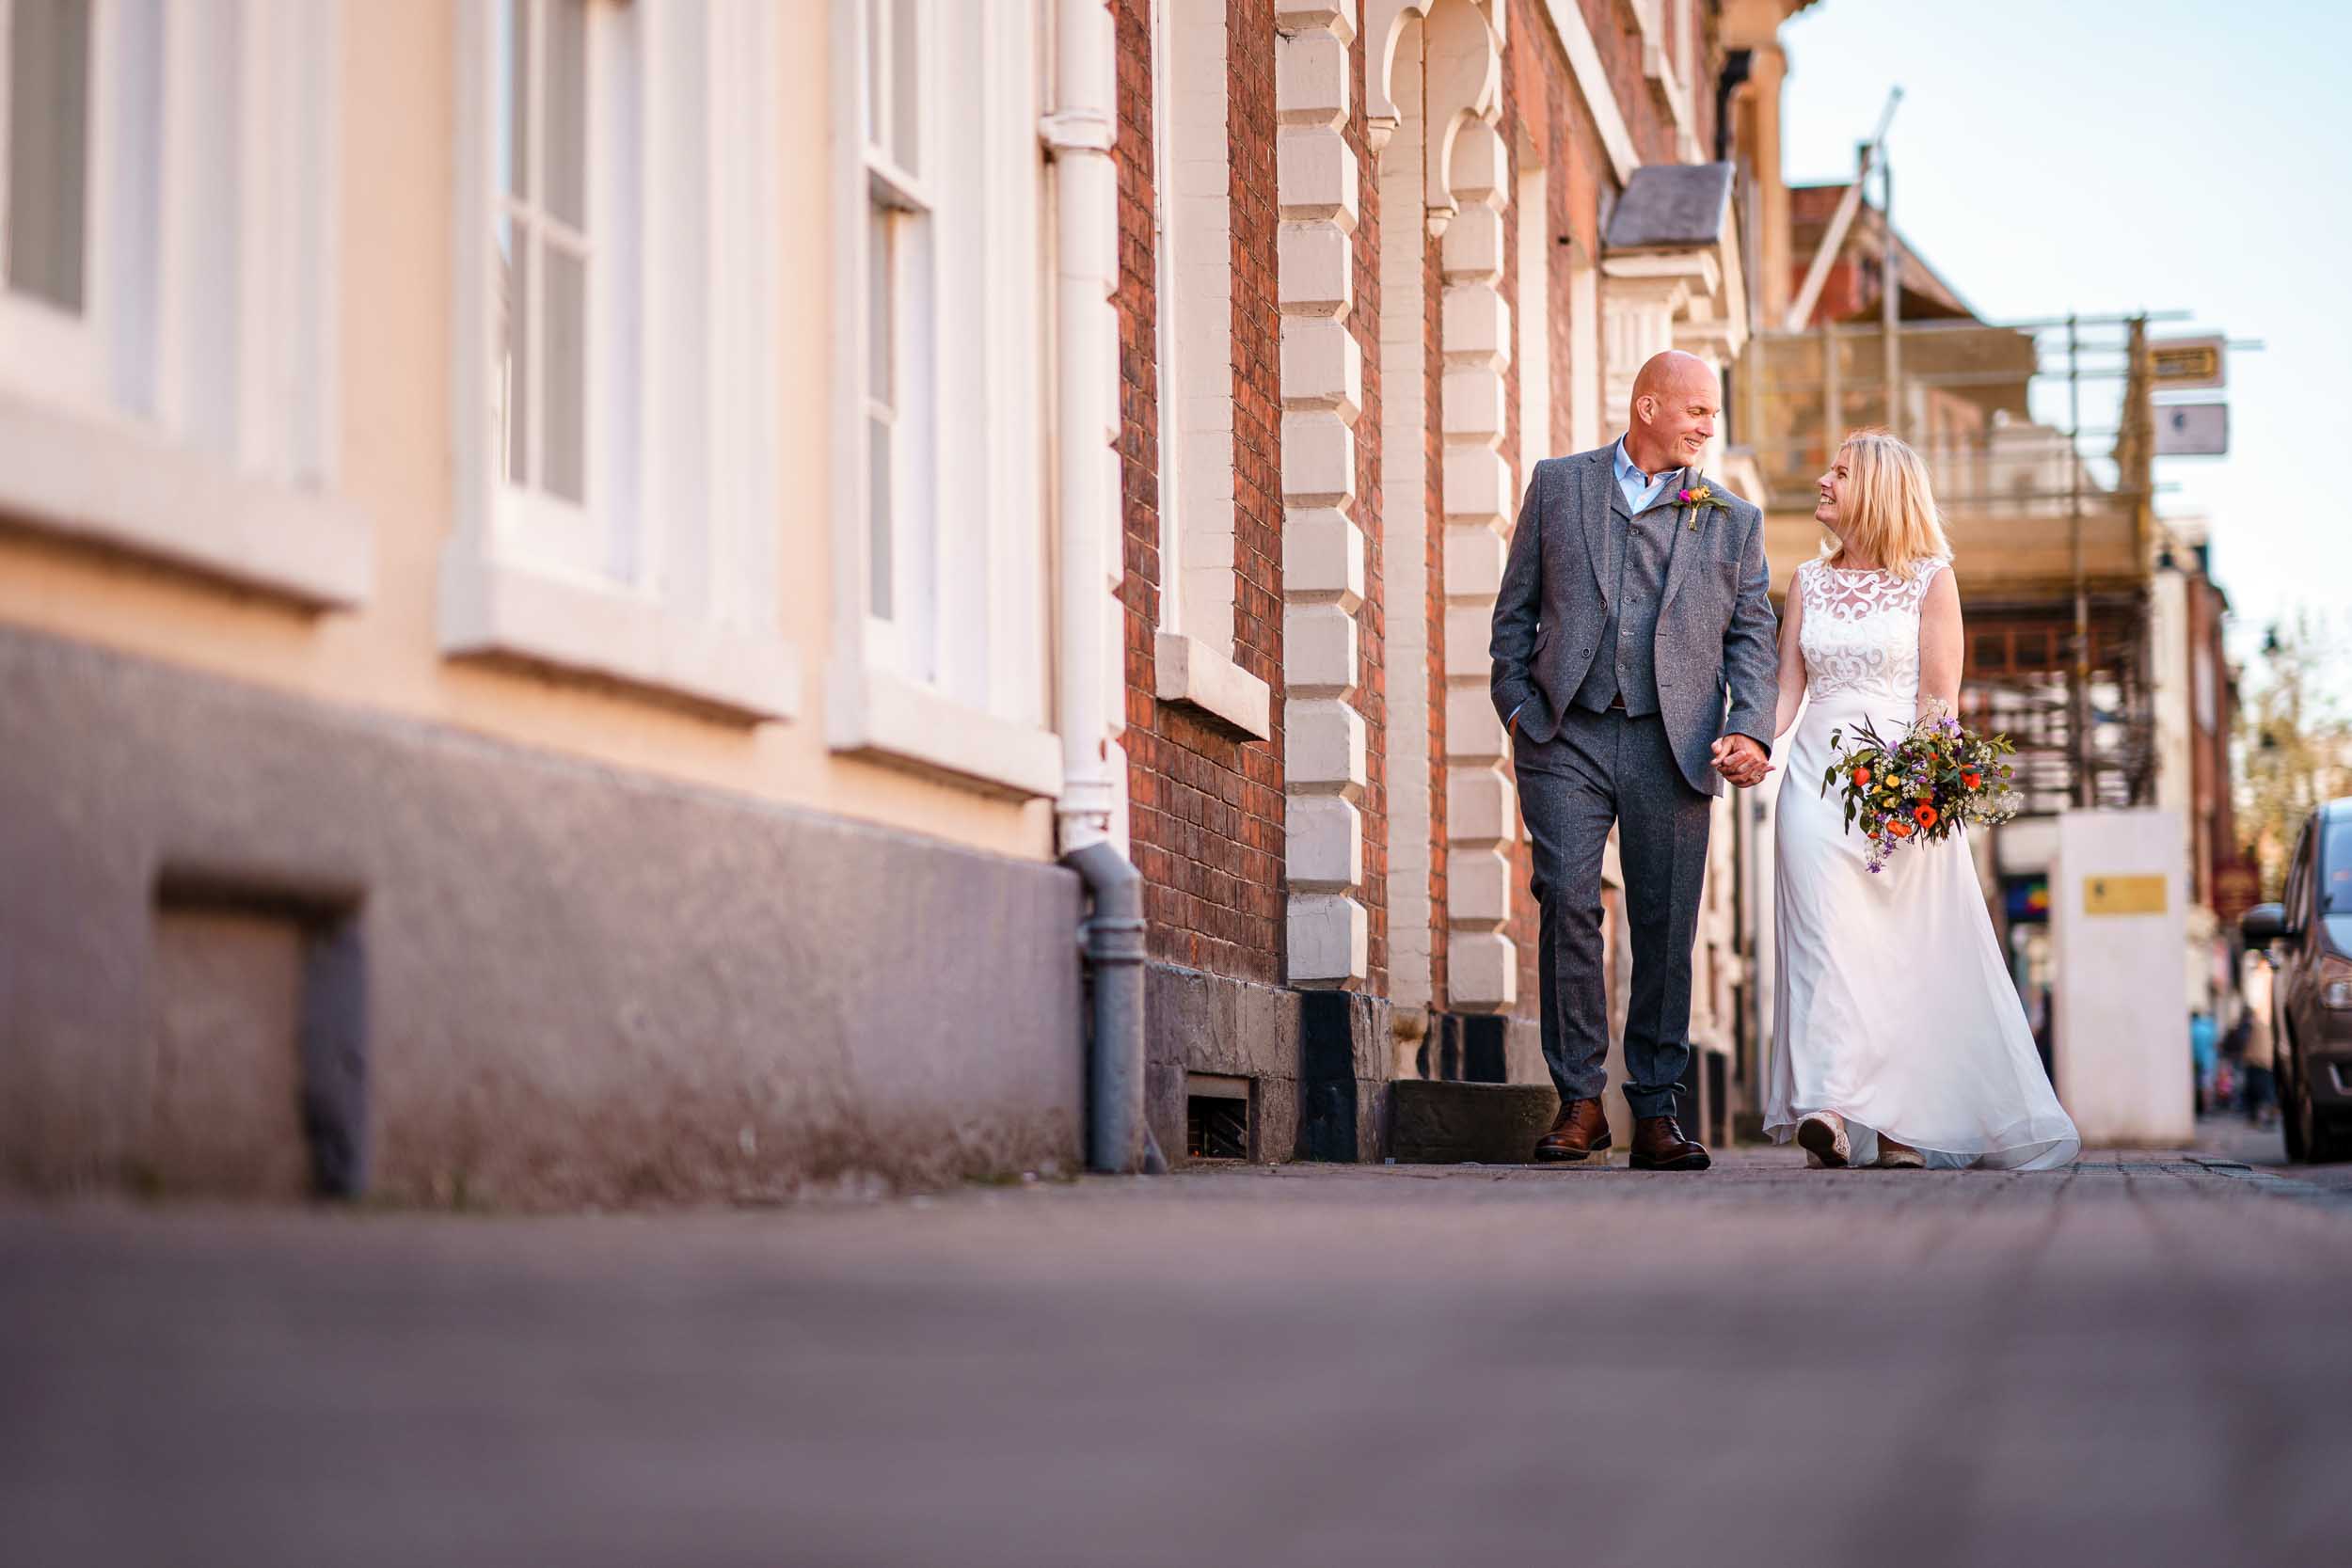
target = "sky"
x: 2104, y: 157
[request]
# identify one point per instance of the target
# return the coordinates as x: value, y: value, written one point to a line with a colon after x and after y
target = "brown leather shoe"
x: 1580, y: 1130
x: 1658, y: 1145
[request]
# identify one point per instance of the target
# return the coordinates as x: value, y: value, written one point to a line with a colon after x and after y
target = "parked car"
x: 2310, y: 938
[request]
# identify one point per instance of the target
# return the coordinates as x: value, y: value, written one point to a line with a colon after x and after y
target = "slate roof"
x: 1671, y: 207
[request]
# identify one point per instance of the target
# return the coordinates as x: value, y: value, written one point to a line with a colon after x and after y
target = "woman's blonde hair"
x: 1887, y: 506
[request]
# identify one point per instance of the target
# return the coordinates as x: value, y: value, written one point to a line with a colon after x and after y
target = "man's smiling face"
x: 1676, y: 401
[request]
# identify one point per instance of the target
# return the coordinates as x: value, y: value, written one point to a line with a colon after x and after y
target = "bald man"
x: 1634, y: 664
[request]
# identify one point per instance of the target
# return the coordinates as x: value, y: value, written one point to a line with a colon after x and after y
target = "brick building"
x: 1375, y: 259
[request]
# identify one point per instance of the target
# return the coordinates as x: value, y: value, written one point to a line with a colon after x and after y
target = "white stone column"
x: 1475, y: 338
x: 1325, y: 749
x: 1405, y: 520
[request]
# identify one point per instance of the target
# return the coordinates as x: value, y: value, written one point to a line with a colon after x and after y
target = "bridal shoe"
x: 1895, y: 1156
x: 1823, y: 1136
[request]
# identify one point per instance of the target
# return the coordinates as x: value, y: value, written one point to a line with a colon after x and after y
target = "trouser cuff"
x: 1574, y: 1090
x: 1650, y: 1103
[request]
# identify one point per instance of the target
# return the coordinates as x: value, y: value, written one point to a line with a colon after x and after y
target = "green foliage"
x: 2294, y: 739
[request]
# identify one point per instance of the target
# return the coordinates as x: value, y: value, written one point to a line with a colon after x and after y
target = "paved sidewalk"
x: 2264, y: 1149
x: 2144, y: 1359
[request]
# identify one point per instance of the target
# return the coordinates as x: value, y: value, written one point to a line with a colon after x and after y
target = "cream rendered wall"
x: 396, y: 462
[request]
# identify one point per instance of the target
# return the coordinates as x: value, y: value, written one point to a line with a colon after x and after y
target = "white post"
x: 2117, y: 894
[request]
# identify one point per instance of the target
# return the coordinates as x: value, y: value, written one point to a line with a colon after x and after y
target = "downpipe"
x: 1079, y: 135
x: 1118, y: 1138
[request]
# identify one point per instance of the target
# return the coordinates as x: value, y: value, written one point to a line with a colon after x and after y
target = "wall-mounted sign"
x: 2136, y: 895
x: 2237, y: 886
x: 2187, y: 364
x: 2192, y: 429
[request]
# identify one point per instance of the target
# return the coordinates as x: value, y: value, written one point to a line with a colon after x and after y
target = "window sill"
x: 498, y: 610
x: 111, y: 482
x: 903, y: 723
x: 1190, y: 671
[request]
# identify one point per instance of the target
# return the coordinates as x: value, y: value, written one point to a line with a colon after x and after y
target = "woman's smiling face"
x: 1832, y: 486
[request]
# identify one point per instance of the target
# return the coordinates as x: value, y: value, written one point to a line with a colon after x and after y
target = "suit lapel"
x: 1685, y: 550
x: 1603, y: 504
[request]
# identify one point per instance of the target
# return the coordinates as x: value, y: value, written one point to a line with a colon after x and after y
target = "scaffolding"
x: 2039, y: 436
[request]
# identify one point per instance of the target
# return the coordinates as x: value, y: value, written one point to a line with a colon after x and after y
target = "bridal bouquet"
x: 1926, y: 786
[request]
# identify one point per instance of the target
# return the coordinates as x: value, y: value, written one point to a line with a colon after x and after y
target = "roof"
x: 1672, y: 206
x: 1810, y: 208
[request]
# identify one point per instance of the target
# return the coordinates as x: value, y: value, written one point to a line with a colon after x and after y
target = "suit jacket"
x: 1717, y: 660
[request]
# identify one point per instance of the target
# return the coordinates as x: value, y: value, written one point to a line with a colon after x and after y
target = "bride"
x: 1901, y: 1039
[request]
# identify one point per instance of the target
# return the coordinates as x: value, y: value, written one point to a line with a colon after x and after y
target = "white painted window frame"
x: 1533, y: 218
x: 668, y: 584
x: 191, y: 413
x: 963, y: 695
x: 1193, y: 650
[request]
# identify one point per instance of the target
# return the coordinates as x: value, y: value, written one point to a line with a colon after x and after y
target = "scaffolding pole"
x: 2078, y: 697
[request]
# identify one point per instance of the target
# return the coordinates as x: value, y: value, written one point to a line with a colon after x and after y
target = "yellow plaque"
x: 2124, y: 896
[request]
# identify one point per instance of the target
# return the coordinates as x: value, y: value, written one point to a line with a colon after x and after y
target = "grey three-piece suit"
x: 1627, y: 645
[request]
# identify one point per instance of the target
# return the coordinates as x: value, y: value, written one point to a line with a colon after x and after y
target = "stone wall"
x: 487, y: 974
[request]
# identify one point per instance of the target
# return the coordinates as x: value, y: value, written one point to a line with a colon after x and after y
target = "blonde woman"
x: 1900, y: 1040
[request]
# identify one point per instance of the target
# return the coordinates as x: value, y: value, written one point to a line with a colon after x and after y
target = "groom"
x: 1634, y: 663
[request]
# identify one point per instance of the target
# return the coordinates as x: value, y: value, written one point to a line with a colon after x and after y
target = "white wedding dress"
x: 1892, y: 1007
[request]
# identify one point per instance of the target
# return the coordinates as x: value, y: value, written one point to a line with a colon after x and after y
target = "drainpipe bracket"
x: 1077, y: 131
x: 1109, y: 939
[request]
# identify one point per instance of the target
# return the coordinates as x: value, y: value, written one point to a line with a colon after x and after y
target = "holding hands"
x: 1740, y: 759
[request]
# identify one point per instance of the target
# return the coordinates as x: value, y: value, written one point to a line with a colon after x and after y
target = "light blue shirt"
x: 1641, y: 490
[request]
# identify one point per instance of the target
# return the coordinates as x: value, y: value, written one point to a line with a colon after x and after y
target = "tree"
x: 2295, y: 741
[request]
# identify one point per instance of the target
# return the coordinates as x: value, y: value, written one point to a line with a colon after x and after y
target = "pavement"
x: 2145, y: 1359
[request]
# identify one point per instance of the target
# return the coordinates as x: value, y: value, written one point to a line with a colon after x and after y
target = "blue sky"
x: 2103, y: 156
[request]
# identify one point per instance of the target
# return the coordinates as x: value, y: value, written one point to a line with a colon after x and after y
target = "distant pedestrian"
x: 2204, y: 1043
x: 2262, y: 1081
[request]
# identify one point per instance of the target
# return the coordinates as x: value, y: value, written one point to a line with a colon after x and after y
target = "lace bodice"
x: 1861, y: 630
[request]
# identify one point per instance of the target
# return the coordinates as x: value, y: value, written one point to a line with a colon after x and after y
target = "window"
x: 1193, y: 653
x: 1533, y: 218
x: 46, y: 169
x: 940, y: 511
x: 617, y: 504
x: 568, y: 215
x: 900, y: 377
x: 2335, y: 869
x: 1586, y: 372
x: 2298, y: 875
x: 168, y: 285
x: 544, y: 249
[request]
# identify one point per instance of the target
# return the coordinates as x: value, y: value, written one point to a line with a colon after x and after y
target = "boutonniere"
x: 1698, y: 497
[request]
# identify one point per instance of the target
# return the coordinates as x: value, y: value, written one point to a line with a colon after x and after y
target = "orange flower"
x: 1971, y: 779
x: 1862, y: 778
x: 1926, y: 814
x: 1900, y: 829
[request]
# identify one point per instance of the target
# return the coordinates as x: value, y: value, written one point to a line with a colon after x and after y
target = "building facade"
x: 1376, y: 259
x: 574, y: 574
x: 2195, y: 716
x: 544, y: 662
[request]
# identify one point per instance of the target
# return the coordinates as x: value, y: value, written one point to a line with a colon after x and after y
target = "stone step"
x: 1433, y: 1123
